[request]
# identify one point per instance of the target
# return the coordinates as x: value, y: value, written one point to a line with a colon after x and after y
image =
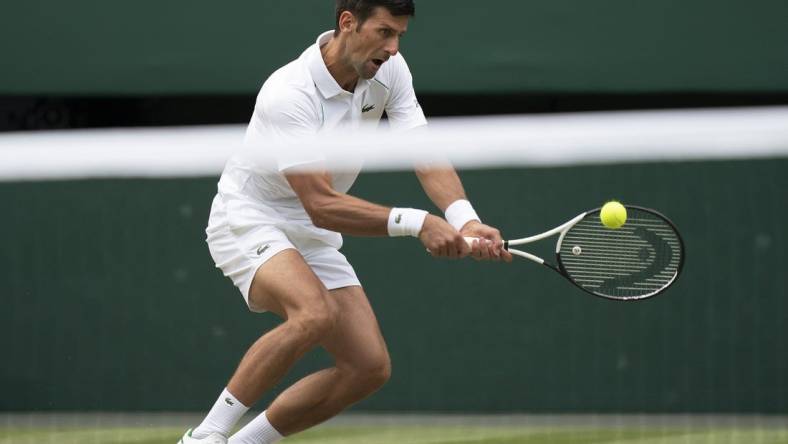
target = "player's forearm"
x: 442, y: 185
x: 349, y: 215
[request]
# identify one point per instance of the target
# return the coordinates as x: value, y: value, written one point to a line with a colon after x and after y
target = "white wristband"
x: 459, y: 213
x: 406, y: 221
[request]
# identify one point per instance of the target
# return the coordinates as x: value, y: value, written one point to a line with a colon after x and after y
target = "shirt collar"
x: 324, y: 81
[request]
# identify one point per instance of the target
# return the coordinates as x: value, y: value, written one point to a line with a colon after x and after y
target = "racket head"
x: 637, y: 261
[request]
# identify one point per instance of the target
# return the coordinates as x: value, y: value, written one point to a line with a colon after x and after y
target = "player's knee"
x: 316, y: 321
x: 374, y: 374
x: 380, y: 375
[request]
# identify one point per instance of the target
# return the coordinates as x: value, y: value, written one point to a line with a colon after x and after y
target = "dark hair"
x: 363, y: 9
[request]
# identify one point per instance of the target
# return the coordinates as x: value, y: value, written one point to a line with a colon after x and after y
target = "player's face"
x: 371, y: 45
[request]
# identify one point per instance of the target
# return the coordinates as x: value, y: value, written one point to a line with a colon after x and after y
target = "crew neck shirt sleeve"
x: 403, y: 109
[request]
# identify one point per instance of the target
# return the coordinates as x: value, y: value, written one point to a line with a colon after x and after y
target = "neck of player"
x: 341, y: 71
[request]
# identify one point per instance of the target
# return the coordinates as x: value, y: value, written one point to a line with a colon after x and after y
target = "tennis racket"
x: 637, y: 261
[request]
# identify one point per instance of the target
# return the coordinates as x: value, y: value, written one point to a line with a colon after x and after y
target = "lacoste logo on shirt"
x: 260, y: 251
x: 229, y: 401
x: 367, y: 108
x: 398, y: 218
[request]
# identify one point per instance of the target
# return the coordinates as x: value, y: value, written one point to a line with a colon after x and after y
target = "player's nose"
x: 392, y: 47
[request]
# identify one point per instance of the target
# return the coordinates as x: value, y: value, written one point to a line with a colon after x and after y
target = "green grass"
x: 420, y: 435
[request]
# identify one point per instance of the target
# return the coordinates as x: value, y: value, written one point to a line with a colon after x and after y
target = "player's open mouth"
x: 378, y: 62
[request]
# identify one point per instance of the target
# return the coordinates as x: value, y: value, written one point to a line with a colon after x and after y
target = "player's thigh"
x: 287, y: 286
x: 356, y: 342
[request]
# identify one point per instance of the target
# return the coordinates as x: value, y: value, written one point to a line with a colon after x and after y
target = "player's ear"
x: 347, y: 21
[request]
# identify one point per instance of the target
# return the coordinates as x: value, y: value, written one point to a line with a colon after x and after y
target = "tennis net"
x: 111, y: 298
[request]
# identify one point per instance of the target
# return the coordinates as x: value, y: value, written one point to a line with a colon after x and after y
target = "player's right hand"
x: 442, y: 240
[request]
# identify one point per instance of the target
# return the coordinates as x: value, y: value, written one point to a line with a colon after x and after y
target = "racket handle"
x: 469, y: 241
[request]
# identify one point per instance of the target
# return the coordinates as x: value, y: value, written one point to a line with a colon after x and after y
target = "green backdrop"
x: 110, y: 300
x: 85, y: 47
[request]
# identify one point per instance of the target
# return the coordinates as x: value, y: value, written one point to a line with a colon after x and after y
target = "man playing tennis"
x: 275, y: 229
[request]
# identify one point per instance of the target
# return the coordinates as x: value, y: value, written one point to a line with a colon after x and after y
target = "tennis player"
x: 275, y: 229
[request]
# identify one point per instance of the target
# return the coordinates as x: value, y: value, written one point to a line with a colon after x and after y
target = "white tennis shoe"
x: 213, y: 438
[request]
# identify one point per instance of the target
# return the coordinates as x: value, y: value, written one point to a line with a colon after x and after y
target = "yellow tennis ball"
x: 613, y: 214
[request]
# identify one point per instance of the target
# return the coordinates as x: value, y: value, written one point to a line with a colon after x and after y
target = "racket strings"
x: 634, y: 261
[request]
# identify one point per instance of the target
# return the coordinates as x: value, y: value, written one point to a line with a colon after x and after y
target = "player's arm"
x: 343, y: 213
x: 335, y: 211
x: 441, y: 183
x: 443, y: 186
x: 291, y: 115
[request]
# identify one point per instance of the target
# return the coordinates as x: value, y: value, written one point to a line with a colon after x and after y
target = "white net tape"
x: 486, y: 142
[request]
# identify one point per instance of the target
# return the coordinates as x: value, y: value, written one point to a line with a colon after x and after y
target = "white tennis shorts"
x: 240, y: 248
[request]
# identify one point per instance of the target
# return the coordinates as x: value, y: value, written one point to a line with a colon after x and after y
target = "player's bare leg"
x: 287, y: 286
x: 362, y: 366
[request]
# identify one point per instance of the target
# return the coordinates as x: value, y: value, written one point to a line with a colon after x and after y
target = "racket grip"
x: 469, y: 241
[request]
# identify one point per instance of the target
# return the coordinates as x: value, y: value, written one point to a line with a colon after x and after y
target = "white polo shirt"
x: 302, y: 99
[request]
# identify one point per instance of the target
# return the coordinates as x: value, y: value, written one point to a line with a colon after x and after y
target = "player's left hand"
x: 489, y: 245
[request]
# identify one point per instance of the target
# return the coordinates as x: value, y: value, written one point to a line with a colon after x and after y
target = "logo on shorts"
x: 229, y: 401
x: 367, y: 108
x: 398, y: 219
x: 261, y: 250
